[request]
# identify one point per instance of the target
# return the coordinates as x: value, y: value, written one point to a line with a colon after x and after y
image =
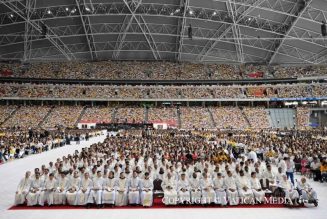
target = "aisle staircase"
x: 113, y: 115
x: 179, y: 119
x: 246, y: 118
x: 46, y: 117
x: 213, y: 122
x: 10, y: 115
x: 146, y: 114
x: 80, y: 116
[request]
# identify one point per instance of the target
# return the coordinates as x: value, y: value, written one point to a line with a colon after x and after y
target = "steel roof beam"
x: 52, y: 37
x: 181, y: 28
x: 235, y: 29
x: 123, y: 31
x: 86, y: 23
x: 212, y: 43
x: 145, y: 30
x: 271, y: 59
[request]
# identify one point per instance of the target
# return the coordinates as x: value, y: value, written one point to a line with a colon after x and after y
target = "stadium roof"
x: 230, y: 31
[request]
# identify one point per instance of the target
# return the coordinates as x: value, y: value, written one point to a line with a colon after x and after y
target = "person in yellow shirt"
x: 323, y: 170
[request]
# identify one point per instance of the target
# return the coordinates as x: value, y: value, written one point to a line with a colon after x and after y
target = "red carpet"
x: 157, y: 204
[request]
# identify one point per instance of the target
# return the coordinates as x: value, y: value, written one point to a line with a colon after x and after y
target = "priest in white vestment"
x: 60, y: 193
x: 183, y: 188
x: 85, y: 189
x: 121, y: 190
x: 208, y: 193
x: 48, y: 191
x: 96, y: 190
x: 169, y: 187
x: 195, y: 187
x: 33, y: 197
x: 231, y: 189
x: 23, y: 188
x: 259, y: 194
x: 147, y: 190
x: 307, y: 192
x: 290, y: 192
x: 134, y: 189
x: 268, y: 181
x: 219, y: 187
x: 73, y: 188
x: 244, y: 189
x: 109, y: 189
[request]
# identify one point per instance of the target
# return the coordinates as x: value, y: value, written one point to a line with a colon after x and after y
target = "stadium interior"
x: 191, y: 108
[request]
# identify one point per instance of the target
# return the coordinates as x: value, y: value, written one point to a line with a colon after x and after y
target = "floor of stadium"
x: 13, y: 171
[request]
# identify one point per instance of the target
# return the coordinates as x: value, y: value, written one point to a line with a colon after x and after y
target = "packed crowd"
x: 184, y: 166
x: 63, y: 116
x: 298, y: 72
x: 6, y: 111
x: 98, y: 114
x: 257, y: 117
x: 192, y: 117
x: 162, y: 114
x: 196, y: 118
x: 229, y: 117
x: 302, y: 117
x: 19, y: 143
x: 103, y: 92
x: 130, y: 114
x: 27, y: 117
x: 112, y: 70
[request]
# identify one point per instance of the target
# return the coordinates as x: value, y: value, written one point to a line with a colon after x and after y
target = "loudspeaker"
x: 323, y: 29
x: 44, y: 30
x: 190, y: 34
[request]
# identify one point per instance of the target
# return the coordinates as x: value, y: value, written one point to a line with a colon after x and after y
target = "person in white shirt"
x: 290, y: 166
x: 33, y: 197
x: 60, y: 193
x: 169, y: 187
x: 109, y: 189
x: 73, y: 188
x: 147, y: 190
x: 282, y: 164
x: 290, y: 193
x: 279, y: 175
x: 122, y: 190
x: 134, y: 190
x: 85, y: 189
x: 22, y: 189
x: 268, y: 181
x: 96, y: 190
x: 208, y: 193
x: 252, y: 156
x: 47, y: 194
x: 183, y: 190
x: 244, y: 189
x: 195, y: 187
x: 259, y: 194
x: 219, y: 187
x: 307, y: 192
x: 231, y: 189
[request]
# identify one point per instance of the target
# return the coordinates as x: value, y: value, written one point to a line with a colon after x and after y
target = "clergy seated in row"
x: 85, y: 191
x: 235, y: 190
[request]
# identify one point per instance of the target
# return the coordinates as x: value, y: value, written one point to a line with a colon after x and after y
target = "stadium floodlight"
x: 49, y: 11
x: 66, y: 9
